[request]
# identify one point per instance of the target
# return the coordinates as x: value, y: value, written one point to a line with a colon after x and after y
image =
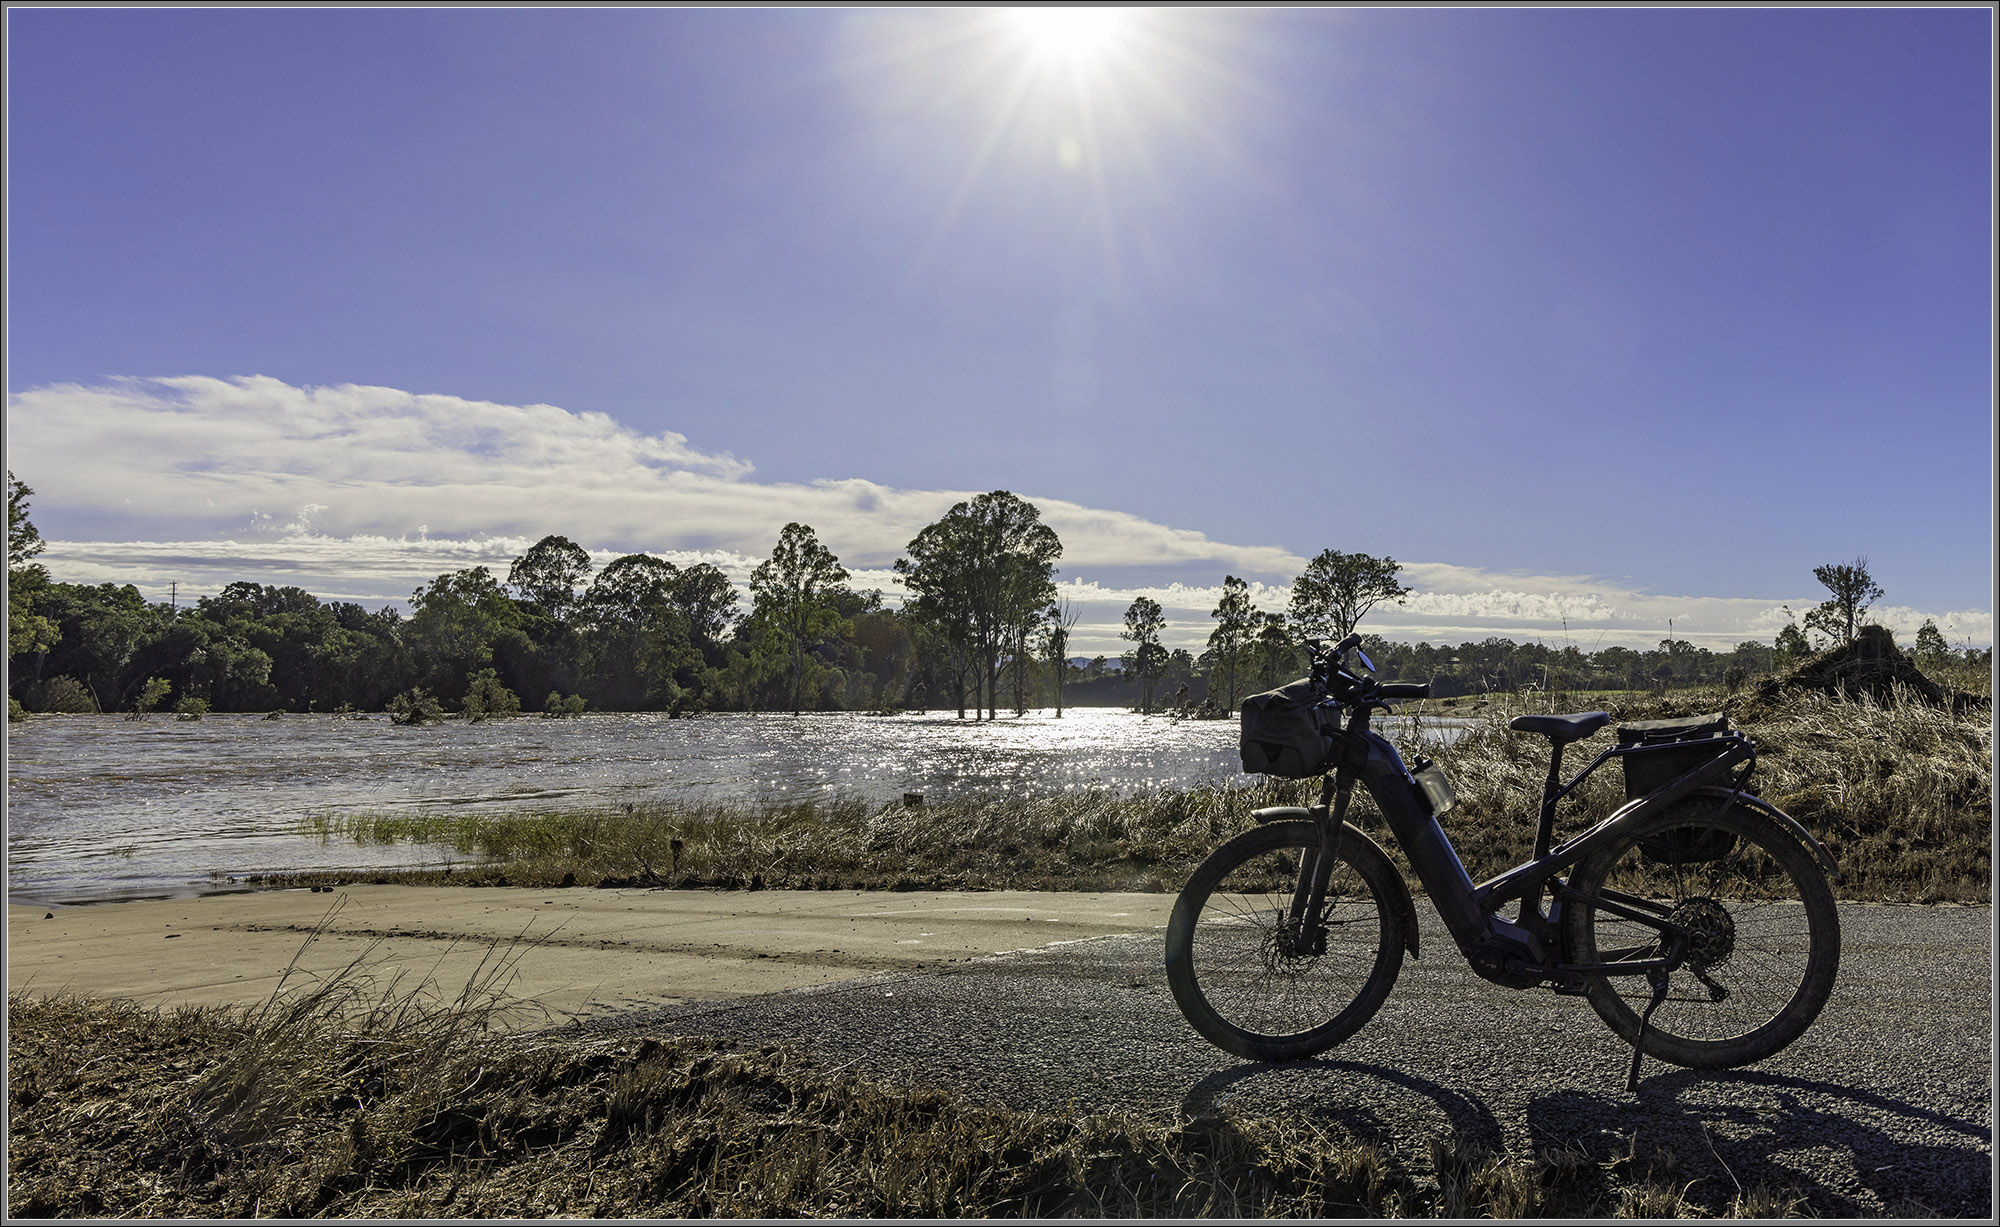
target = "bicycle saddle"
x: 1560, y: 729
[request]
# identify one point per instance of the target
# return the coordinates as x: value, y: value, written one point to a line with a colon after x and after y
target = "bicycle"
x: 1696, y: 918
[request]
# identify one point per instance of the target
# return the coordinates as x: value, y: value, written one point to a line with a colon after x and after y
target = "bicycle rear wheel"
x: 1254, y: 982
x: 1767, y: 936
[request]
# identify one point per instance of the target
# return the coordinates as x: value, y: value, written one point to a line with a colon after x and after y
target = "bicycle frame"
x: 1522, y: 952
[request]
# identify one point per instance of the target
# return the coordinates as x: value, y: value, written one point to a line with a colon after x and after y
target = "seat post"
x: 1545, y: 832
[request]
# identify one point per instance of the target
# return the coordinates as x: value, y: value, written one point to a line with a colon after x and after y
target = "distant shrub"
x: 191, y: 709
x: 66, y: 694
x: 415, y: 706
x: 486, y: 698
x: 155, y: 690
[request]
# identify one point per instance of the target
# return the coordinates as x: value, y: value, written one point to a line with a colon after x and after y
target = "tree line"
x: 981, y: 630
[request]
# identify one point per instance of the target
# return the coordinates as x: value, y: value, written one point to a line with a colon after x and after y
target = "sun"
x: 1078, y: 35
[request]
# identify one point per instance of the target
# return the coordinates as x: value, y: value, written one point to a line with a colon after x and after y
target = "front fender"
x: 1355, y: 843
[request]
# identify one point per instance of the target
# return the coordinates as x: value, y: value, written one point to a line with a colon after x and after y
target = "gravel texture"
x: 1883, y: 1108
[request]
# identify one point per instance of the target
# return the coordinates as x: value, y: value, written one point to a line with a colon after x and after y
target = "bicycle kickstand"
x: 1658, y: 979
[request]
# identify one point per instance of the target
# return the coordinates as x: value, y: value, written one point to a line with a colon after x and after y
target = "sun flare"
x: 1074, y: 34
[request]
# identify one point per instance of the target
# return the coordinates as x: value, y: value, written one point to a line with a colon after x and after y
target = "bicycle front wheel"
x: 1766, y: 941
x: 1256, y: 982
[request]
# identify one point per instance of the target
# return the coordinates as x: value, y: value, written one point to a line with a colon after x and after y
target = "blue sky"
x: 1587, y: 317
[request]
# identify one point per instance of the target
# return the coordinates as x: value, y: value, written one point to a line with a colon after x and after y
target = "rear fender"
x: 1751, y: 801
x: 1355, y: 843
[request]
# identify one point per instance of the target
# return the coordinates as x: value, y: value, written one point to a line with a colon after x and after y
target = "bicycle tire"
x: 1231, y: 971
x: 1769, y: 948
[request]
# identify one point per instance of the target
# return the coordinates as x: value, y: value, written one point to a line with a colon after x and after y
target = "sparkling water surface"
x: 100, y: 807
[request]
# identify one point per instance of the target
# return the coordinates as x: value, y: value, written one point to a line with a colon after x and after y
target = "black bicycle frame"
x: 1470, y: 912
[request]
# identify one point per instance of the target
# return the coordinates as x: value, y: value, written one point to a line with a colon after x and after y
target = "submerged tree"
x: 983, y: 575
x: 1144, y: 620
x: 794, y: 591
x: 1234, y: 618
x: 1055, y: 645
x: 486, y: 698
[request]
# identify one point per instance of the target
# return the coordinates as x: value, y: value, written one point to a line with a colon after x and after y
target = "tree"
x: 1147, y: 660
x: 458, y: 617
x: 1853, y: 589
x: 1277, y: 655
x: 708, y: 599
x: 1930, y: 647
x: 1337, y: 589
x: 26, y: 579
x: 1791, y: 646
x: 1055, y: 645
x: 628, y: 586
x: 984, y: 574
x: 548, y: 574
x: 794, y: 591
x: 23, y: 541
x: 634, y: 636
x: 1234, y: 619
x: 486, y: 698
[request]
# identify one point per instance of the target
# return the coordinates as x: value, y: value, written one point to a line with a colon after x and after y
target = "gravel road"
x: 1883, y: 1108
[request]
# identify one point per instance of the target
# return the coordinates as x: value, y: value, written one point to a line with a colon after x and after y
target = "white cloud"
x: 362, y: 493
x: 256, y: 458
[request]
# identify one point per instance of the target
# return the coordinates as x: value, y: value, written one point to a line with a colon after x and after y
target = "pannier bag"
x: 1678, y: 747
x: 1286, y: 734
x: 1674, y: 748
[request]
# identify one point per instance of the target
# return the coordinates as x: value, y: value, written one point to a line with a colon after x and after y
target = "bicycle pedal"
x: 1569, y: 989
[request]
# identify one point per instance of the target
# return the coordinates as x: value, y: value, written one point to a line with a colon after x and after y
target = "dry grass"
x: 1073, y: 841
x: 1900, y: 792
x: 336, y: 1100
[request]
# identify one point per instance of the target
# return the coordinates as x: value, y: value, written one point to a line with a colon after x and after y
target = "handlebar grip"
x: 1395, y: 691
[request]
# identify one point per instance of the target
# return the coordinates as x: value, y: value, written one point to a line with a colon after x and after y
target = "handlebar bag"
x: 1285, y: 733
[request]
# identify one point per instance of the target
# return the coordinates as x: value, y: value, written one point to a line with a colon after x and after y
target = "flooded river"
x: 100, y: 807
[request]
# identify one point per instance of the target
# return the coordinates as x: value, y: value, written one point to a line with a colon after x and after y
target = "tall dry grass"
x: 1900, y: 792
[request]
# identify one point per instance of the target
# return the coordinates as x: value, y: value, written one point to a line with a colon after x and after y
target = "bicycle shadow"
x: 1361, y: 1111
x: 1849, y: 1152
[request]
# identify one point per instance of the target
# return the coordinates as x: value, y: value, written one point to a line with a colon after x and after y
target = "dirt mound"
x: 1871, y: 665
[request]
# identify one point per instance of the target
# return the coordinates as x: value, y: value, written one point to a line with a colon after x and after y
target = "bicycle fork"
x: 1307, y: 919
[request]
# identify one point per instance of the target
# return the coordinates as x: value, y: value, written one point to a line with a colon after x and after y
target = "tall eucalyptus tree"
x: 634, y: 634
x: 1144, y: 620
x: 1235, y: 621
x: 794, y: 592
x: 984, y: 575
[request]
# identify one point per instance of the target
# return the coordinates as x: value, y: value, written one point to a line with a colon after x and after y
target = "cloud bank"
x: 362, y: 493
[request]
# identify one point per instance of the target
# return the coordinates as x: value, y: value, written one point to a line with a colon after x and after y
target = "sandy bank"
x: 576, y: 952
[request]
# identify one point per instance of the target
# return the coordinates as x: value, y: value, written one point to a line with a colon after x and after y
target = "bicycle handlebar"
x: 1331, y: 678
